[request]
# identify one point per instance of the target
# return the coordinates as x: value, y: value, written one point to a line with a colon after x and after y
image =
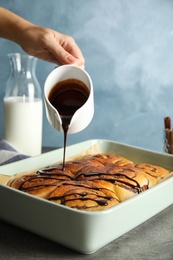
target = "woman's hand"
x: 50, y: 45
x: 43, y: 43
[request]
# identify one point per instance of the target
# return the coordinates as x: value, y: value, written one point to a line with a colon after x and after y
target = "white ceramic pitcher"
x: 83, y: 116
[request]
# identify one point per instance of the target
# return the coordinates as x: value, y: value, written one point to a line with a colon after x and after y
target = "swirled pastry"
x: 153, y: 173
x: 92, y: 183
x: 84, y: 195
x: 35, y: 185
x: 127, y: 181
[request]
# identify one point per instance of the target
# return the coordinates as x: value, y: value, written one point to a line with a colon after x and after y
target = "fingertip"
x: 76, y: 61
x: 70, y: 58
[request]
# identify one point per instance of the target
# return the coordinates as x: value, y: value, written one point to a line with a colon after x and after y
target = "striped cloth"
x: 9, y: 154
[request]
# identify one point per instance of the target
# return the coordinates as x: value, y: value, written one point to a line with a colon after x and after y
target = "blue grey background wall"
x: 128, y: 47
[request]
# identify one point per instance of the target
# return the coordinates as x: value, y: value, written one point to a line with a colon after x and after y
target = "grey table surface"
x: 152, y: 240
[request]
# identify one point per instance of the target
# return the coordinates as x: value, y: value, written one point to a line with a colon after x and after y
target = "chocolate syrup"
x: 67, y: 97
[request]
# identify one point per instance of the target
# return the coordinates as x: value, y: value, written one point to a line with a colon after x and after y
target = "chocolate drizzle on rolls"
x: 53, y: 172
x: 93, y: 183
x: 84, y: 195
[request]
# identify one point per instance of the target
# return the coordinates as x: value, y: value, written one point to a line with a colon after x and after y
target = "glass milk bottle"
x: 23, y: 108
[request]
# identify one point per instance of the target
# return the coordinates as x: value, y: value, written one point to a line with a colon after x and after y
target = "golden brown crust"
x: 84, y: 195
x: 35, y: 185
x: 56, y: 172
x: 109, y: 159
x: 154, y: 173
x: 93, y: 183
x: 127, y: 181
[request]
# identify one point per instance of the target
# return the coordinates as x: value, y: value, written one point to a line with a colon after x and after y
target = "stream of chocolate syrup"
x: 67, y: 97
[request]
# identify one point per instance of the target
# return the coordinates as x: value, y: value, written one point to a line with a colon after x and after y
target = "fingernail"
x: 71, y: 58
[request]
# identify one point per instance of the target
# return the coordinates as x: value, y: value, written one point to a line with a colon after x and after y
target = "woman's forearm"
x: 12, y: 25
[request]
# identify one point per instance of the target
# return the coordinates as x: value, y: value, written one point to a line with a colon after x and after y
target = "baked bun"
x: 93, y: 183
x: 84, y: 195
x: 43, y: 182
x: 109, y: 159
x: 40, y: 186
x: 127, y: 181
x: 153, y: 173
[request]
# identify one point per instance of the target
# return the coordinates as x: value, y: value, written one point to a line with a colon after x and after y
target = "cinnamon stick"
x: 167, y: 122
x: 168, y: 135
